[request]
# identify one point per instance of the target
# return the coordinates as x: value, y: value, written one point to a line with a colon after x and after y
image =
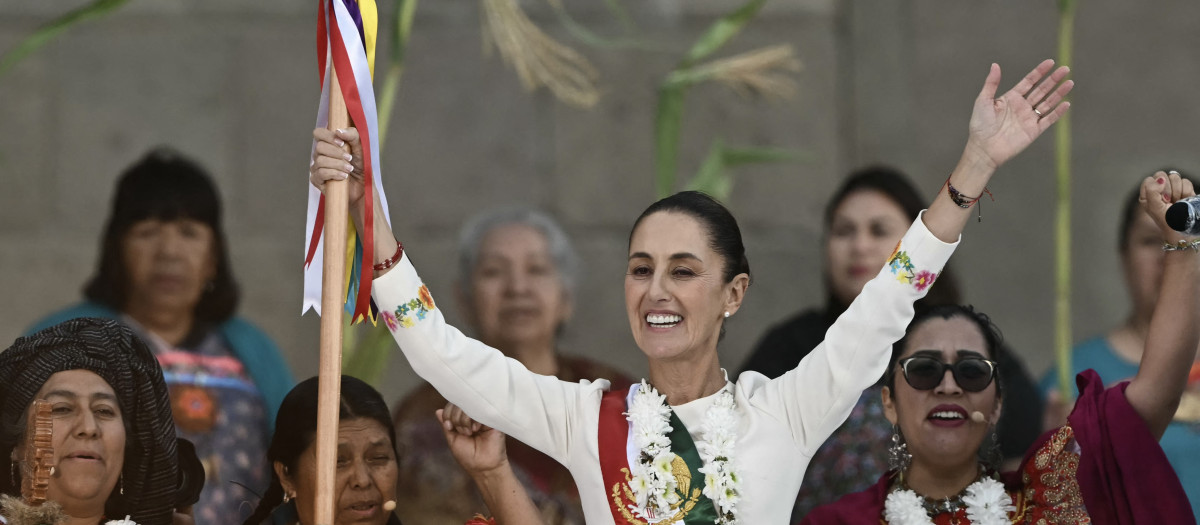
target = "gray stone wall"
x: 234, y: 84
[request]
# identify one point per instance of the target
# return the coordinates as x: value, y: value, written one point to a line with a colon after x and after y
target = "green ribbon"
x: 683, y: 446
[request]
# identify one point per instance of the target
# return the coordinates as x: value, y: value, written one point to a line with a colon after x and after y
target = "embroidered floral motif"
x: 407, y: 314
x: 390, y: 320
x: 923, y: 279
x: 903, y: 268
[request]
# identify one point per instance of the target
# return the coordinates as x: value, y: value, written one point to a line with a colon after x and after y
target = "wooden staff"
x: 332, y: 299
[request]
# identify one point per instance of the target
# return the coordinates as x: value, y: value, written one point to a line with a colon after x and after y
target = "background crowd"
x: 161, y: 255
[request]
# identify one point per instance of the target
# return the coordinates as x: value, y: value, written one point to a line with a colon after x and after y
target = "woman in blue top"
x: 1115, y: 356
x: 164, y: 271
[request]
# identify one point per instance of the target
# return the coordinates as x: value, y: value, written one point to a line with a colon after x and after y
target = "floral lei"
x: 653, y: 483
x: 986, y: 500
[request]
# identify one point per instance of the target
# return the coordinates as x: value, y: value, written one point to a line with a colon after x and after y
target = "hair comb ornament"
x: 37, y: 467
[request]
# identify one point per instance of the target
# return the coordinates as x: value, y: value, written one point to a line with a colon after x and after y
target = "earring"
x: 12, y: 472
x: 121, y: 482
x: 898, y: 457
x: 994, y: 457
x: 727, y: 315
x: 287, y: 496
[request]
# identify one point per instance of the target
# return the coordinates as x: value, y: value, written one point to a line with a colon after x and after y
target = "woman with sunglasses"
x: 943, y: 396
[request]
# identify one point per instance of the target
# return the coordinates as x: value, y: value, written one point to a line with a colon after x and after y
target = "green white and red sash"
x: 616, y: 452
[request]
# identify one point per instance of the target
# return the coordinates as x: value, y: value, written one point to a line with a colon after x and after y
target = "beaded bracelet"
x: 390, y: 261
x: 965, y: 202
x: 1181, y: 245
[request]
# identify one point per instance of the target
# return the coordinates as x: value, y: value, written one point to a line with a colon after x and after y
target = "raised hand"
x: 479, y: 449
x: 1001, y: 127
x: 1158, y: 193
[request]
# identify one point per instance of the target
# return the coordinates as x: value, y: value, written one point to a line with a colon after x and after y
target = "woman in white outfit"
x: 687, y: 445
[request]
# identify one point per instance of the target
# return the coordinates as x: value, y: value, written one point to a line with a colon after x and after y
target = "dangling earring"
x: 121, y: 483
x: 994, y: 457
x: 898, y: 457
x: 12, y: 472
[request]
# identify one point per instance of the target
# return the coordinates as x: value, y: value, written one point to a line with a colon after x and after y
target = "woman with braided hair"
x: 114, y: 445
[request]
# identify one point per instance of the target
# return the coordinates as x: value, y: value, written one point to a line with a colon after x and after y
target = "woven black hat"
x: 110, y: 350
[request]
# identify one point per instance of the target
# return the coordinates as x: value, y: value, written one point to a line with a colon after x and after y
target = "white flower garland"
x: 126, y: 521
x: 987, y: 504
x: 716, y: 456
x: 653, y: 484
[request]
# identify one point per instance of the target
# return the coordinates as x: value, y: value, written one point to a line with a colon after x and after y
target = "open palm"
x: 1001, y: 127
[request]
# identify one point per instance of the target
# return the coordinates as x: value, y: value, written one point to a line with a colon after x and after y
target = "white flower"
x: 905, y: 507
x: 988, y: 503
x: 653, y: 482
x: 126, y: 521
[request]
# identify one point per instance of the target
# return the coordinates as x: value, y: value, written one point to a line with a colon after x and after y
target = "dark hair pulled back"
x: 296, y: 430
x: 724, y: 236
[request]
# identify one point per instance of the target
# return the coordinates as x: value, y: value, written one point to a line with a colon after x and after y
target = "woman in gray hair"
x: 515, y: 285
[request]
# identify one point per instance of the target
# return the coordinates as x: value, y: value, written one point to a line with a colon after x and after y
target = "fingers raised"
x: 1025, y: 86
x: 991, y: 84
x: 1047, y: 87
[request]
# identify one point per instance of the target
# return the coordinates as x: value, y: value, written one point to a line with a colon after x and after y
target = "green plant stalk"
x: 669, y: 118
x: 366, y: 356
x: 54, y: 28
x: 722, y: 31
x: 1062, y: 259
x: 714, y: 178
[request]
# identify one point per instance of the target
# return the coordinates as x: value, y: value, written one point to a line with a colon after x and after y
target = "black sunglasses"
x: 925, y: 373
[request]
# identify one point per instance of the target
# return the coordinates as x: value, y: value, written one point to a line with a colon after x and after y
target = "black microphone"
x: 1184, y: 216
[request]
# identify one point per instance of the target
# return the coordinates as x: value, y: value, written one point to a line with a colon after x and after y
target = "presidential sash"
x: 694, y: 508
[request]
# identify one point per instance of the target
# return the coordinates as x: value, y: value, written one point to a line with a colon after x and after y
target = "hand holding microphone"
x: 1169, y: 199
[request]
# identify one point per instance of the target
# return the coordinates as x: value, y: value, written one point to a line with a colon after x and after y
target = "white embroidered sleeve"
x: 493, y: 389
x: 817, y: 396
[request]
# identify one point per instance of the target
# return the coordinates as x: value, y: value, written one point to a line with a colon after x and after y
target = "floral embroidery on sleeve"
x: 407, y: 314
x: 902, y: 267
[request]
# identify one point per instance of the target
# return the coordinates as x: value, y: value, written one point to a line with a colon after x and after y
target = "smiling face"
x: 864, y: 229
x: 517, y: 297
x: 367, y: 474
x: 937, y: 423
x: 89, y: 440
x: 168, y: 263
x: 675, y: 295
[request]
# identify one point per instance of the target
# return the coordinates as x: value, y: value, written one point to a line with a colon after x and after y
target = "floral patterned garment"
x: 217, y: 407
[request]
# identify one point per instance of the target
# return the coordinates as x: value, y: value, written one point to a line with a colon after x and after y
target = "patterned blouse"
x: 217, y: 407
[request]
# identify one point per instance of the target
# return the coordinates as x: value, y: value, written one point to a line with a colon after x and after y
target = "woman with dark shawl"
x: 114, y: 439
x: 1104, y: 466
